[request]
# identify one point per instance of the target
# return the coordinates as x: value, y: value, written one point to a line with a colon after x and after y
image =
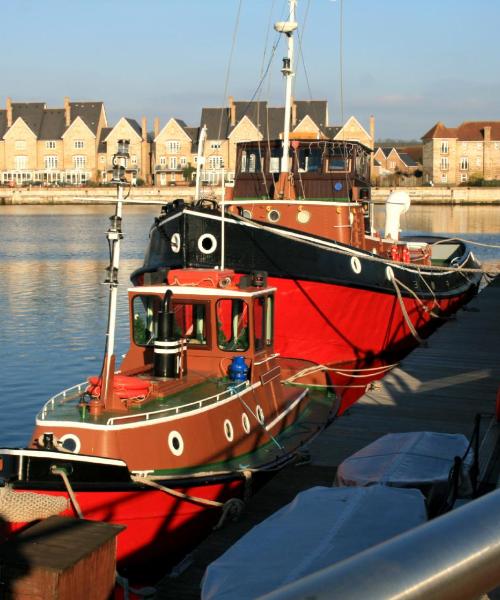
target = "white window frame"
x: 444, y: 178
x: 173, y: 146
x: 444, y: 163
x: 50, y: 162
x: 20, y: 145
x: 463, y: 177
x: 445, y: 147
x: 79, y: 161
x: 163, y: 161
x: 78, y: 144
x: 215, y: 145
x: 50, y: 144
x: 464, y: 163
x: 183, y: 161
x: 172, y: 163
x: 215, y: 162
x: 133, y: 159
x: 21, y: 162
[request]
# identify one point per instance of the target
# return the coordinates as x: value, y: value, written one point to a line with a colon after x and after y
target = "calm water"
x: 53, y: 306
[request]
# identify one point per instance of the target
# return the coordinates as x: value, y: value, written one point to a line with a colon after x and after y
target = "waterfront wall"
x: 418, y: 195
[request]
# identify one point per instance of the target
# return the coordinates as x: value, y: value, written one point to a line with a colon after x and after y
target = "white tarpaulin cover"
x: 405, y: 460
x: 320, y: 527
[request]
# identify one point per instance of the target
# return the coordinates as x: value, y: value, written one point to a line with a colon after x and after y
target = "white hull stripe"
x: 63, y: 456
x: 71, y: 425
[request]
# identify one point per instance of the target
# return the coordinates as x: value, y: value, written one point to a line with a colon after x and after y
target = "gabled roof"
x: 316, y: 109
x: 386, y: 150
x: 407, y: 159
x: 89, y: 113
x: 135, y: 126
x: 216, y: 121
x: 102, y: 146
x: 53, y: 124
x: 31, y: 113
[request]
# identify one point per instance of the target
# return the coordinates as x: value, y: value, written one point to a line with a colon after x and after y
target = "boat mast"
x: 287, y: 27
x: 200, y: 160
x: 114, y: 236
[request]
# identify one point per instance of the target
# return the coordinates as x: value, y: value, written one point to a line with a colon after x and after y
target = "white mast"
x: 287, y: 27
x: 200, y: 160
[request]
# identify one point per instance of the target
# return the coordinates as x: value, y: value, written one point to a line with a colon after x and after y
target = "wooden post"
x: 60, y: 559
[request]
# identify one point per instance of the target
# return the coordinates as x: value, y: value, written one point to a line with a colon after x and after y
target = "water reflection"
x: 54, y: 306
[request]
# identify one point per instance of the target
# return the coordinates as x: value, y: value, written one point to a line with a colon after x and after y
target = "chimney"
x: 9, y: 112
x: 144, y: 129
x: 487, y: 133
x: 232, y: 111
x: 372, y: 131
x: 67, y: 111
x: 156, y: 127
x: 294, y: 113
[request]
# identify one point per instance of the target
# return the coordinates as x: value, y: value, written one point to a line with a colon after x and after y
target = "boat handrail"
x: 64, y: 396
x: 146, y: 416
x: 319, y: 202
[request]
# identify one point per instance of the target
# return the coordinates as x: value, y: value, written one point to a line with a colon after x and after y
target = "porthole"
x: 175, y: 443
x: 245, y: 421
x: 247, y: 214
x: 389, y: 274
x: 228, y: 430
x: 175, y: 242
x: 260, y: 415
x: 303, y: 216
x: 207, y: 243
x: 71, y: 443
x: 274, y: 215
x: 356, y: 264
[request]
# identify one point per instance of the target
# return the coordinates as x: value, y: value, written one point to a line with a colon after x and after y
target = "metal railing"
x: 453, y: 557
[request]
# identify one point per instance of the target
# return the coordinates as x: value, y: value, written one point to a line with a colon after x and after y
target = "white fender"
x: 396, y: 205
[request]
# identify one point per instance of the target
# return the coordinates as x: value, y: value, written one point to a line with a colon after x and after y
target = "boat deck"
x: 439, y: 387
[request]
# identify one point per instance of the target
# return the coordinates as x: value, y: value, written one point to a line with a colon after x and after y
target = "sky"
x: 410, y: 64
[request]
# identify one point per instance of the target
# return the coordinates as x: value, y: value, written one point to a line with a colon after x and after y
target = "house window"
x: 215, y: 145
x: 183, y: 161
x: 463, y: 177
x: 173, y: 146
x: 464, y: 163
x: 50, y: 144
x: 20, y: 144
x: 444, y: 163
x: 392, y: 165
x: 163, y: 161
x: 133, y: 159
x: 173, y: 162
x: 50, y: 162
x: 444, y: 178
x: 21, y: 163
x: 444, y: 147
x: 78, y: 144
x: 216, y: 162
x: 79, y: 161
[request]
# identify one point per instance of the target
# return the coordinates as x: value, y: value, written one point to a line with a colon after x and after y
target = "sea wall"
x: 81, y: 195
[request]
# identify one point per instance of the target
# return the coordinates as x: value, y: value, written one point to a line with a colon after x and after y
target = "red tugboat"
x: 171, y: 442
x: 301, y: 210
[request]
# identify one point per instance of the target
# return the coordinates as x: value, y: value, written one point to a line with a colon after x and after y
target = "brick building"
x: 455, y: 155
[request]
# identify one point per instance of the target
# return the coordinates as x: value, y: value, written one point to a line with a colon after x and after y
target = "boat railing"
x: 62, y: 397
x: 175, y: 410
x: 266, y: 202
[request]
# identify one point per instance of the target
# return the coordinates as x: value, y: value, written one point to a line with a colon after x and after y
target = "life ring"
x: 124, y: 387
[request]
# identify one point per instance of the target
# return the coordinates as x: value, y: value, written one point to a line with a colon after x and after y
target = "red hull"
x: 334, y: 324
x: 160, y: 529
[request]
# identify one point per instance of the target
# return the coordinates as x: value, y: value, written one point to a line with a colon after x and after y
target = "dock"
x: 440, y: 387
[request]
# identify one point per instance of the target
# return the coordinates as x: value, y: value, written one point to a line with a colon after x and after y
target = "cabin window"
x: 145, y: 319
x: 338, y: 163
x: 362, y: 165
x: 251, y: 160
x: 190, y: 322
x: 232, y: 325
x: 310, y: 160
x: 263, y: 322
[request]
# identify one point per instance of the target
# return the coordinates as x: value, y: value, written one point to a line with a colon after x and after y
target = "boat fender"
x: 238, y: 369
x: 394, y: 252
x: 406, y: 254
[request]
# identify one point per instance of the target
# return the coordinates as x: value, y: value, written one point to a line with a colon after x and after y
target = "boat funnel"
x: 396, y: 205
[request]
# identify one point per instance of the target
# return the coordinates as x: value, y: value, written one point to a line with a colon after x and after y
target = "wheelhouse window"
x: 362, y: 165
x: 232, y: 325
x: 190, y: 320
x: 263, y: 319
x: 338, y: 163
x: 310, y: 160
x: 251, y: 160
